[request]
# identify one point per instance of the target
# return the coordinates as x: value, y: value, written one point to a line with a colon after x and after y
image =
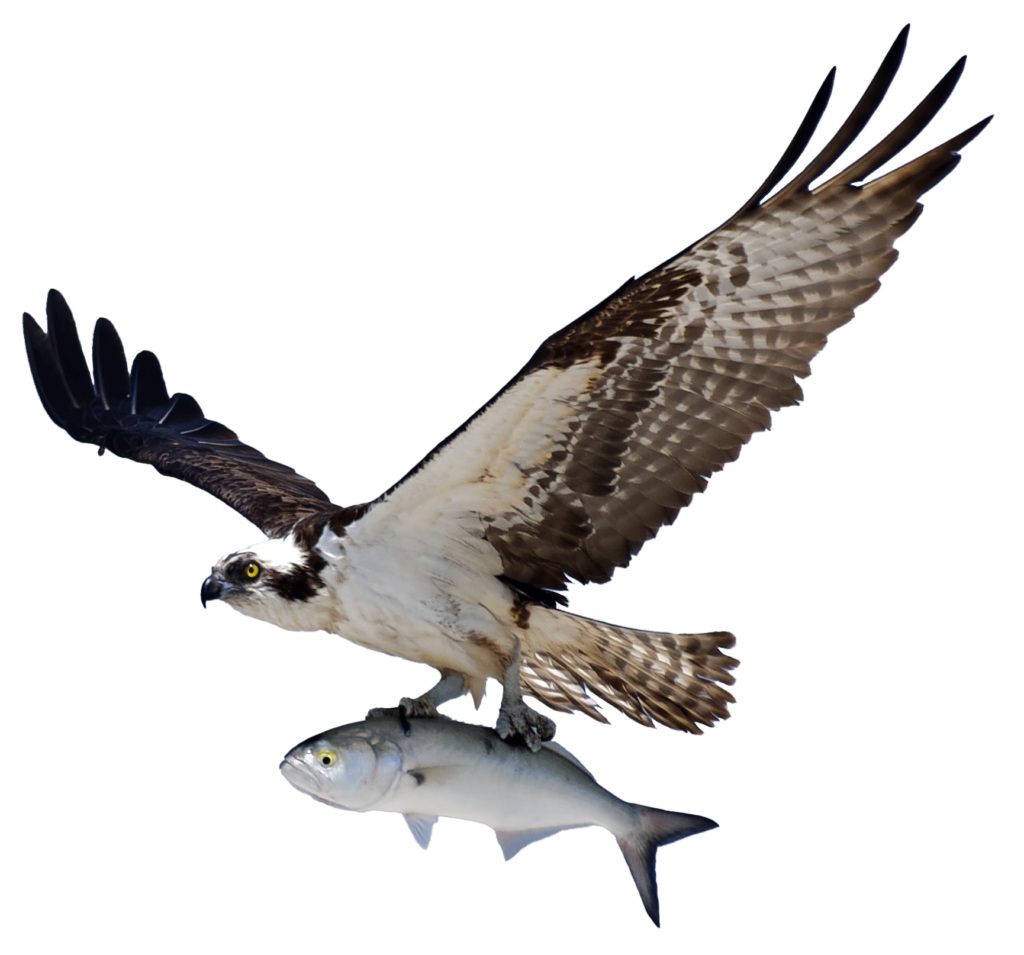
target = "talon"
x: 515, y: 718
x: 519, y: 721
x: 403, y: 719
x: 417, y: 709
x: 450, y: 686
x: 406, y: 710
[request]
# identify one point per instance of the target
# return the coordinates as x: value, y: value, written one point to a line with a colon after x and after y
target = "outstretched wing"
x: 133, y: 416
x: 621, y: 417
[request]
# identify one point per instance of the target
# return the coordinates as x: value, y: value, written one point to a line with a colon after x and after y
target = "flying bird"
x: 610, y: 428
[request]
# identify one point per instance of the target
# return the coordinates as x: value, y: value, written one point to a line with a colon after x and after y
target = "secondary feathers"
x: 610, y: 428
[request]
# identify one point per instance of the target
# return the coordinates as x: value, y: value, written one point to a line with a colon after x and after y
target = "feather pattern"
x: 622, y: 416
x: 134, y: 417
x: 609, y: 430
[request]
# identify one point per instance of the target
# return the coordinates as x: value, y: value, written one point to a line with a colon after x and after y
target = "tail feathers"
x: 657, y: 827
x: 669, y: 678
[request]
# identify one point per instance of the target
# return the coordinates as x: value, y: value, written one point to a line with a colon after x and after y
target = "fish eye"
x: 326, y: 757
x: 252, y: 570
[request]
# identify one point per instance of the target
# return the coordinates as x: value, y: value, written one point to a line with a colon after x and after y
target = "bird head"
x: 275, y: 581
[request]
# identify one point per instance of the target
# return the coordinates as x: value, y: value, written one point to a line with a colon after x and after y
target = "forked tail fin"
x: 657, y: 827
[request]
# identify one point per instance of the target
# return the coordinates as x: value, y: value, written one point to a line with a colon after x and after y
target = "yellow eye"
x: 326, y: 757
x: 252, y: 571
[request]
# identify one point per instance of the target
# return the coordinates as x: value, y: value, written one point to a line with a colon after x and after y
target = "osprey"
x: 608, y: 430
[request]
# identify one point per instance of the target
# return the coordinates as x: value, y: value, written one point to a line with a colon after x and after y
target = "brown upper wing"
x: 621, y: 417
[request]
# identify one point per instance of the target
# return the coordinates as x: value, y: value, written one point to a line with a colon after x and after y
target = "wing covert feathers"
x: 133, y: 416
x: 658, y: 387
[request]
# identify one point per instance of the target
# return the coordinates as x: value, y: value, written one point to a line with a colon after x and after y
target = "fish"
x: 425, y: 768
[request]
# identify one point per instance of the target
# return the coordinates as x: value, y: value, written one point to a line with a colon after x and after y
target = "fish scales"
x: 427, y: 768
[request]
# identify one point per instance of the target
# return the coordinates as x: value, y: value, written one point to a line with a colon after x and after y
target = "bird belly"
x: 424, y: 606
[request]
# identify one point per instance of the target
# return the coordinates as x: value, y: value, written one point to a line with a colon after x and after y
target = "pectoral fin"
x: 420, y: 827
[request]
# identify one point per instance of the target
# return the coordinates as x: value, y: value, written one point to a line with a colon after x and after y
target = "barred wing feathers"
x: 622, y: 416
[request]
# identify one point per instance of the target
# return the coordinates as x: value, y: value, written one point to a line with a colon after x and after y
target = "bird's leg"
x: 451, y: 685
x: 515, y: 718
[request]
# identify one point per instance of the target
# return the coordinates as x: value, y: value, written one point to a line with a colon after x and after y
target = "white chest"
x: 419, y: 596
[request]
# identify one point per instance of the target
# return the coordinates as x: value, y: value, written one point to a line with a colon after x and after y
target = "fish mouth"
x: 299, y: 777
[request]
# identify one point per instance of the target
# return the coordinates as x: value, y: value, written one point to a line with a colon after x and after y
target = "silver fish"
x: 425, y: 768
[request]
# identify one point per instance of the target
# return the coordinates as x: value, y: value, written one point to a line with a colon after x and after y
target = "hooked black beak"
x: 213, y: 589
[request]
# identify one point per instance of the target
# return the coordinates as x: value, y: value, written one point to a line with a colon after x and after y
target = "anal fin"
x: 511, y: 841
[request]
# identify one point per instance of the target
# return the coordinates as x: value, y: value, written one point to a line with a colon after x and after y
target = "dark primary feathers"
x: 684, y: 364
x: 610, y: 428
x: 133, y: 416
x: 619, y: 418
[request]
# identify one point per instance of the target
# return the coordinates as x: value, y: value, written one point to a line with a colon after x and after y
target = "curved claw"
x: 517, y: 720
x: 400, y: 712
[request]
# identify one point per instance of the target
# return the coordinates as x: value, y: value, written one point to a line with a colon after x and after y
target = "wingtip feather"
x: 147, y: 383
x: 109, y: 363
x: 854, y: 124
x: 69, y: 359
x: 904, y: 134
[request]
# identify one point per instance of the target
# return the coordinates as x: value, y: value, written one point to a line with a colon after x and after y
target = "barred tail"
x: 670, y: 678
